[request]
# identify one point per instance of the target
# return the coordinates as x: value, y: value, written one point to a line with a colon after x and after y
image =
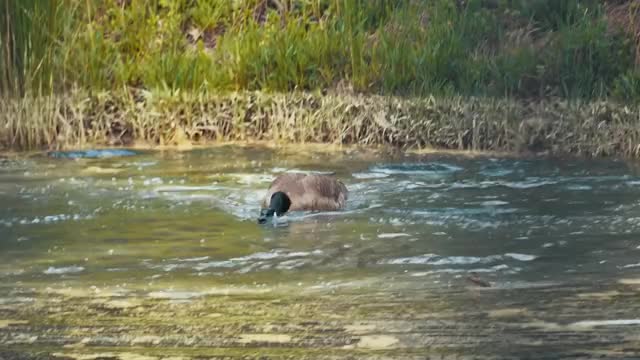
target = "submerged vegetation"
x: 215, y: 56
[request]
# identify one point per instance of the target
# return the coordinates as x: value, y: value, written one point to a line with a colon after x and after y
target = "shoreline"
x: 154, y: 121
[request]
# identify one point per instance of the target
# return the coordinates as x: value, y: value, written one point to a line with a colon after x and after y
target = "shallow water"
x: 181, y: 227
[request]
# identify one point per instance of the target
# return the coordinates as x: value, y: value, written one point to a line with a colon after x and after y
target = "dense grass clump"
x: 516, y: 48
x: 184, y: 119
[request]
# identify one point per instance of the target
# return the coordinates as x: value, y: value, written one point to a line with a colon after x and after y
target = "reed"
x: 467, y: 123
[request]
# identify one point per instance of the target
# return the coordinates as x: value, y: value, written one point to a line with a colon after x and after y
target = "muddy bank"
x: 184, y: 120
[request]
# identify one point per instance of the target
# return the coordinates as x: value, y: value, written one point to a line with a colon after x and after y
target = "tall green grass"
x: 33, y: 43
x: 517, y: 48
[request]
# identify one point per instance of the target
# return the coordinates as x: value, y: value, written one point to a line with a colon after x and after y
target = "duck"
x: 302, y: 192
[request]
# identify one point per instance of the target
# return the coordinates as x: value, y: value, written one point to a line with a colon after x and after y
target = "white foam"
x: 494, y: 203
x: 434, y: 168
x: 252, y: 179
x: 201, y: 258
x: 579, y: 187
x: 492, y: 269
x: 291, y: 264
x: 433, y: 259
x: 531, y: 183
x: 617, y: 322
x: 496, y: 172
x: 521, y: 257
x: 391, y: 235
x: 141, y: 163
x: 49, y: 219
x: 437, y: 260
x: 369, y: 175
x: 153, y: 181
x: 63, y: 270
x: 463, y: 260
x: 248, y: 262
x: 177, y: 188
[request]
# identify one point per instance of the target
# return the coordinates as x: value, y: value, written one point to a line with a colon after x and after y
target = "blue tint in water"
x: 92, y: 154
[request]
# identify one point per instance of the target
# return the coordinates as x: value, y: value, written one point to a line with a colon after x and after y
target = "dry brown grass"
x: 478, y: 124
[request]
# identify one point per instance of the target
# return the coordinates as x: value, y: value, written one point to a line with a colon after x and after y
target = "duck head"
x: 278, y: 205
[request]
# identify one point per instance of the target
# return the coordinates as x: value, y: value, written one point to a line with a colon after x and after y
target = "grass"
x: 262, y: 64
x: 536, y: 48
x: 465, y: 123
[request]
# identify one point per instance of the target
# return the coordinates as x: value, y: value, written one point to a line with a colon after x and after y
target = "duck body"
x: 310, y: 192
x: 302, y: 192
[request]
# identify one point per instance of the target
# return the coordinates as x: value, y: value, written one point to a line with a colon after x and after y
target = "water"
x: 557, y: 239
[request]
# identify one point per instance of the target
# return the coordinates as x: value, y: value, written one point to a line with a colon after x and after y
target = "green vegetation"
x: 533, y: 50
x: 520, y: 48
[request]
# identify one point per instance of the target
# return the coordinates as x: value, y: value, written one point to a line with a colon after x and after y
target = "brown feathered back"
x: 310, y: 192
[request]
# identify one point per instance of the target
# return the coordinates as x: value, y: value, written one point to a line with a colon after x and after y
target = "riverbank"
x: 183, y: 120
x: 475, y: 75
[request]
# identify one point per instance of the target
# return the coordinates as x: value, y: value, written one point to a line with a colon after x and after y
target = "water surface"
x: 557, y: 239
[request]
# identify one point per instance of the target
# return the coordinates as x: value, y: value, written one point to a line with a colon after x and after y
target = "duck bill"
x: 265, y: 215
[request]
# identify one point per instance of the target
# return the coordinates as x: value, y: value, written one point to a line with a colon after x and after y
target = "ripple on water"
x: 577, y: 187
x: 92, y: 154
x: 252, y: 179
x: 494, y: 203
x: 48, y: 219
x: 521, y: 257
x: 369, y: 175
x: 473, y: 219
x: 279, y: 258
x: 492, y: 269
x: 186, y: 188
x: 391, y: 235
x: 432, y: 168
x: 63, y: 270
x: 278, y: 170
x: 496, y: 172
x: 528, y: 183
x: 438, y: 260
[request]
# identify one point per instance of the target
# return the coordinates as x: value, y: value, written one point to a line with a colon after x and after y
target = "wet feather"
x: 310, y: 192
